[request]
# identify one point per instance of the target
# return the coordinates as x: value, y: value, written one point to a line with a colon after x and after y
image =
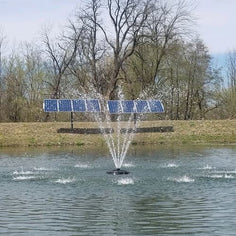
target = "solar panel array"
x: 93, y: 105
x: 71, y: 105
x: 135, y: 106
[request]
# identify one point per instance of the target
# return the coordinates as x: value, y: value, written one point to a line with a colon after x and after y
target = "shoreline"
x: 41, y: 134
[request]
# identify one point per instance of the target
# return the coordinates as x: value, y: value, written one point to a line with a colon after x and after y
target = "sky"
x: 23, y: 20
x: 216, y: 21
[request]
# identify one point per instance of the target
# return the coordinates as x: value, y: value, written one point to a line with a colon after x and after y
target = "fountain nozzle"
x: 118, y: 171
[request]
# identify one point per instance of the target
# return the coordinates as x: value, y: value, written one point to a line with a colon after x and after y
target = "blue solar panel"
x: 50, y: 105
x: 128, y: 106
x: 65, y: 105
x: 93, y: 105
x: 156, y: 106
x: 79, y: 105
x: 142, y: 106
x: 114, y: 106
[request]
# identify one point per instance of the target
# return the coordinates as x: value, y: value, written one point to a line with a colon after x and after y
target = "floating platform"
x: 161, y: 129
x: 85, y: 130
x: 118, y: 172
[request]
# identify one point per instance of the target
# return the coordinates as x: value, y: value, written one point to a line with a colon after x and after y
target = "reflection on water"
x: 169, y: 191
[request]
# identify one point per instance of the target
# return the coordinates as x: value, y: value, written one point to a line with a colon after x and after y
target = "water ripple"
x: 24, y: 177
x: 65, y: 180
x: 183, y: 179
x: 83, y: 166
x: 125, y: 181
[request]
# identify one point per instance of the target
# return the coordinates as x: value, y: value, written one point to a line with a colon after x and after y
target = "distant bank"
x: 185, y: 132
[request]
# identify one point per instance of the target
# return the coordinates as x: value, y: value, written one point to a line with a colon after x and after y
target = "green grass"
x: 185, y: 132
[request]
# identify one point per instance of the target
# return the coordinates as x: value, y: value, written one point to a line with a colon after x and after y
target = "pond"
x: 169, y: 191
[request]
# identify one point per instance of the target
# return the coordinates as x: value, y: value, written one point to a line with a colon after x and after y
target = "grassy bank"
x: 185, y: 132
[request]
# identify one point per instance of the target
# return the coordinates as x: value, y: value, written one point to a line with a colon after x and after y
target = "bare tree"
x: 165, y: 27
x: 2, y: 41
x: 231, y: 69
x: 166, y: 24
x: 228, y: 95
x: 105, y: 45
x: 127, y: 18
x: 90, y: 51
x: 60, y: 55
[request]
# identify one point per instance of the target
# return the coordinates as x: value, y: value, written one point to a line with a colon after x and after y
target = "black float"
x: 118, y: 171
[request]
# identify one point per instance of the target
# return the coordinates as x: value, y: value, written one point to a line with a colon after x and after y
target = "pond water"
x: 169, y: 191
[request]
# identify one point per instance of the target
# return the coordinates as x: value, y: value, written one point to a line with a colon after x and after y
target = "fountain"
x: 118, y: 142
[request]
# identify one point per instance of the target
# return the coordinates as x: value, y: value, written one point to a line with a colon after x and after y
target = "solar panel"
x: 128, y: 106
x: 93, y: 105
x: 114, y: 106
x: 50, y: 105
x: 142, y: 106
x: 65, y: 105
x: 79, y: 105
x: 156, y: 106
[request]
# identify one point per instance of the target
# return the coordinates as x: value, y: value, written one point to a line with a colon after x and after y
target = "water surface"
x: 181, y: 191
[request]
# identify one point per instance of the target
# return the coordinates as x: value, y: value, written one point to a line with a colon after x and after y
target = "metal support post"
x: 71, y: 120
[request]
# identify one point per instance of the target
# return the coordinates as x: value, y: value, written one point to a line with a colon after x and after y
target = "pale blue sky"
x: 24, y: 19
x: 216, y: 24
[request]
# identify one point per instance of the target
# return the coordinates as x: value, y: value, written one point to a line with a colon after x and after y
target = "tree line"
x: 146, y: 48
